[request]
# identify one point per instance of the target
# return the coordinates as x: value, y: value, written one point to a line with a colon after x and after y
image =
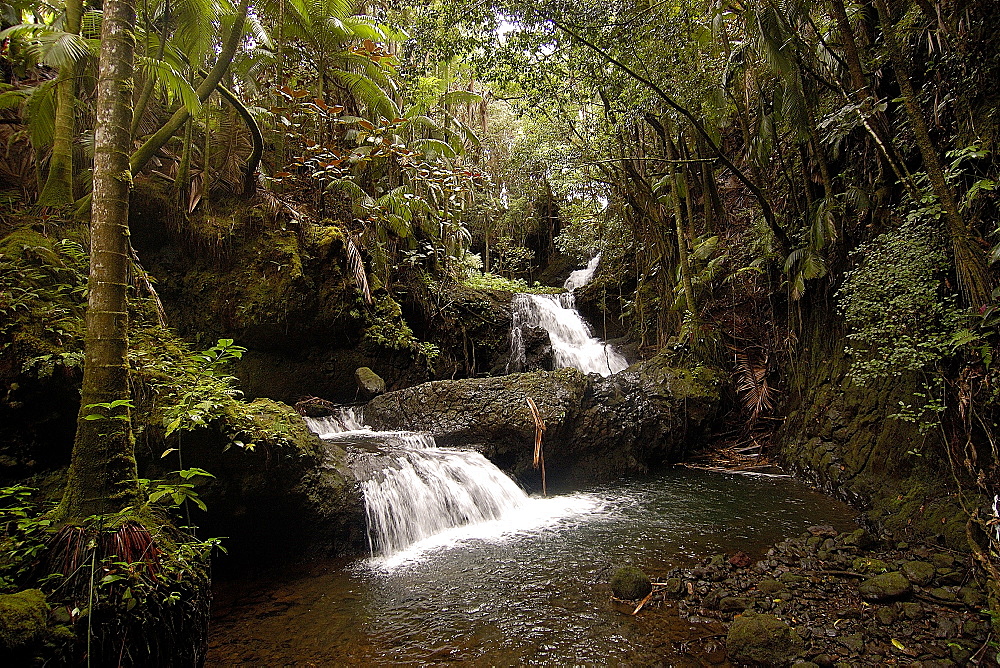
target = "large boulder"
x: 596, y: 428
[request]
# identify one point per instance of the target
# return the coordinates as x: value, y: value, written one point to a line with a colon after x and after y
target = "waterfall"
x: 414, y: 489
x: 573, y: 345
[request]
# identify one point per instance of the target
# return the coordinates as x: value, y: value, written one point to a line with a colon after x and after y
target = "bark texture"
x: 102, y: 476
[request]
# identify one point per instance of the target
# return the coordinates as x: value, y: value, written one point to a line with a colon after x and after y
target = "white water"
x: 414, y: 490
x: 572, y: 342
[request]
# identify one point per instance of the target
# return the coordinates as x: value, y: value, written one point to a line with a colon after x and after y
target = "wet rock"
x: 918, y: 572
x: 885, y: 587
x: 823, y: 660
x: 805, y: 664
x: 630, y: 583
x: 762, y: 639
x: 942, y: 560
x: 734, y: 603
x: 859, y: 538
x: 674, y: 588
x: 740, y: 560
x: 824, y: 531
x: 911, y: 610
x: 596, y: 428
x: 370, y: 384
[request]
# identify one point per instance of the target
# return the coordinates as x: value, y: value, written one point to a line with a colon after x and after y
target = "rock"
x: 370, y: 384
x: 911, y: 610
x: 735, y: 603
x: 972, y: 597
x: 824, y: 531
x: 960, y: 654
x: 596, y: 428
x: 630, y: 583
x: 865, y: 565
x: 859, y: 538
x: 943, y: 594
x: 23, y: 620
x: 770, y: 586
x: 885, y: 587
x: 762, y: 639
x: 855, y: 642
x: 805, y: 664
x: 791, y: 578
x: 918, y: 572
x: 740, y: 560
x: 942, y: 560
x: 886, y: 616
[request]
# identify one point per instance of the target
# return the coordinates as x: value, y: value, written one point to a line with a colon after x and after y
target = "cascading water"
x: 414, y: 489
x: 573, y: 345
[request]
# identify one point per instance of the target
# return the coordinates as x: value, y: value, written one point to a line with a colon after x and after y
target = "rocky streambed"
x: 829, y: 599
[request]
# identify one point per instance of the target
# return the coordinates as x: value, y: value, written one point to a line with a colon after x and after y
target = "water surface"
x: 528, y: 589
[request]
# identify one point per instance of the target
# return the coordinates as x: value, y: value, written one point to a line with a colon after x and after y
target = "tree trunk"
x: 58, y: 188
x: 102, y: 474
x: 970, y: 260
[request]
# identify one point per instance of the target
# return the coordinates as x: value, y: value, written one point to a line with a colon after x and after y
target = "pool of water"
x: 529, y: 589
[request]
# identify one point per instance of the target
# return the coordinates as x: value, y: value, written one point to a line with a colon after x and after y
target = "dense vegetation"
x: 801, y: 192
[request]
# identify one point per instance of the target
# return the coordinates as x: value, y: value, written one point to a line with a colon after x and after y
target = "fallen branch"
x: 642, y: 603
x: 539, y: 459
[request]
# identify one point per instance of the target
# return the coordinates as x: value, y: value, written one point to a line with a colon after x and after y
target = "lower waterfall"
x: 414, y: 489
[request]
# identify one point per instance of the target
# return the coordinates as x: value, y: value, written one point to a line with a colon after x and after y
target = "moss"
x: 23, y: 619
x: 762, y: 639
x: 630, y: 583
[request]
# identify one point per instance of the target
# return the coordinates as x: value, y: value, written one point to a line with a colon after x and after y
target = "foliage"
x: 899, y: 317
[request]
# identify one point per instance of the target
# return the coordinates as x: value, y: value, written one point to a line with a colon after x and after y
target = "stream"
x: 528, y: 589
x: 466, y: 567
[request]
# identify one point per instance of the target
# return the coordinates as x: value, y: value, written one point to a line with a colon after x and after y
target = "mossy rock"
x: 22, y: 619
x: 630, y: 583
x: 885, y: 587
x: 762, y: 639
x: 866, y: 565
x: 919, y: 572
x: 369, y: 382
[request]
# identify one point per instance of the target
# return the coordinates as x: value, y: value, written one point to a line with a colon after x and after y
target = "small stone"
x: 791, y: 578
x: 885, y: 587
x: 854, y: 642
x: 734, y: 604
x: 886, y: 616
x: 740, y: 560
x: 825, y: 531
x: 805, y: 664
x: 918, y: 572
x: 911, y: 610
x: 762, y: 639
x: 823, y: 660
x: 769, y: 586
x: 972, y: 597
x: 859, y: 538
x: 974, y: 628
x: 902, y: 546
x: 674, y: 588
x: 943, y: 594
x: 813, y: 543
x: 942, y: 560
x: 947, y: 577
x: 865, y: 565
x: 630, y: 583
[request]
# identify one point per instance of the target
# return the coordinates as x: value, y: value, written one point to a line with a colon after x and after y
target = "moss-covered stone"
x: 866, y: 565
x: 630, y: 583
x: 918, y: 572
x: 762, y: 639
x: 369, y: 383
x: 885, y: 587
x: 23, y: 619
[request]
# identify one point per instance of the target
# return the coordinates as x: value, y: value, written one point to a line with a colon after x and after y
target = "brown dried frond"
x: 755, y: 392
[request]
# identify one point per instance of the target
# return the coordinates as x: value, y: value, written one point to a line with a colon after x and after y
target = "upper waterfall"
x: 573, y: 344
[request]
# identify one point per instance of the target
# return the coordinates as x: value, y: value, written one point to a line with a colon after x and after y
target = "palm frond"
x: 431, y: 147
x: 174, y: 84
x: 367, y: 92
x: 357, y: 267
x: 40, y: 111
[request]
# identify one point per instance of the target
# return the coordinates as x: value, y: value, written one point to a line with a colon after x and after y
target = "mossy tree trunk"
x: 102, y: 475
x: 58, y: 188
